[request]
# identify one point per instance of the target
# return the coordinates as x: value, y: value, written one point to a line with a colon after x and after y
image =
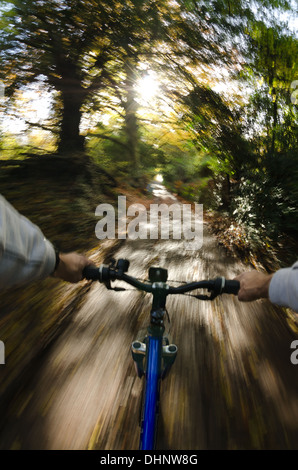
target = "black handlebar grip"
x: 231, y: 287
x: 91, y: 273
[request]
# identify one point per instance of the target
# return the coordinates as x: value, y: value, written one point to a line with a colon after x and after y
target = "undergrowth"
x: 254, y: 247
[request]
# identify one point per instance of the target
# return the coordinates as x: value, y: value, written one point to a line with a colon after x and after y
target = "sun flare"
x: 159, y: 178
x: 148, y: 87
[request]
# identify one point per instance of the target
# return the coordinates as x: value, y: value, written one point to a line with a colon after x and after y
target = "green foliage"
x: 92, y: 54
x: 266, y: 201
x: 80, y: 48
x: 252, y: 147
x: 262, y: 208
x: 109, y: 150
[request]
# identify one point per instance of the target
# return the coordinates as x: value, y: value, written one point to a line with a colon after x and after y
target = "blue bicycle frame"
x: 153, y: 359
x: 154, y: 356
x: 151, y: 404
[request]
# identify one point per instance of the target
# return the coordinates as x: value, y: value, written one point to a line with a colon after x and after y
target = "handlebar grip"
x: 91, y: 273
x: 231, y: 287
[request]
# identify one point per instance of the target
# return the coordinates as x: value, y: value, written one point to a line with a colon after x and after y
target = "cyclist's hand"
x: 253, y: 285
x: 71, y: 267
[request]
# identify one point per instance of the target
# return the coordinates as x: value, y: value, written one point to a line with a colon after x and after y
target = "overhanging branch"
x: 108, y: 137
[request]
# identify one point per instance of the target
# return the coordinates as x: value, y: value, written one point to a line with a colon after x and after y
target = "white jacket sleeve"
x: 25, y: 254
x: 283, y: 288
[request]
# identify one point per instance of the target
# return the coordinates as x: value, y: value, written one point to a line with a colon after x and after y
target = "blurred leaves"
x: 216, y: 146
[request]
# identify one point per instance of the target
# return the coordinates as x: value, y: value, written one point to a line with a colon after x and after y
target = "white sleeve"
x: 283, y: 288
x: 25, y: 254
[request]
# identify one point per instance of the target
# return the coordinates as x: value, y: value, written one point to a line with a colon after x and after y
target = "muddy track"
x: 232, y: 386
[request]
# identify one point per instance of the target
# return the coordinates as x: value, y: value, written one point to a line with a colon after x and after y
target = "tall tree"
x: 64, y: 42
x: 137, y: 30
x: 274, y: 64
x: 84, y: 47
x: 74, y: 44
x: 173, y: 39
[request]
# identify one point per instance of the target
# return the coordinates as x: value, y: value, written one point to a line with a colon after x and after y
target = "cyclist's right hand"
x: 253, y: 285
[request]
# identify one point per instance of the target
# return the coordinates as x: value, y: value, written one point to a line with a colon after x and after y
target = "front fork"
x: 168, y: 356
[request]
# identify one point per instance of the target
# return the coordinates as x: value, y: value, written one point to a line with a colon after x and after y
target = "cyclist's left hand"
x: 71, y: 267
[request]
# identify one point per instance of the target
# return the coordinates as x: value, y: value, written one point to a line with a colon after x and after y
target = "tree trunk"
x: 130, y: 108
x: 69, y: 138
x: 274, y: 112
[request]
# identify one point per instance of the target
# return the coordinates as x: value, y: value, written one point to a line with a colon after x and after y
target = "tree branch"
x: 108, y: 137
x: 35, y: 124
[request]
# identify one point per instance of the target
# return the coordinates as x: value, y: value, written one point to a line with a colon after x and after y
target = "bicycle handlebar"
x: 107, y: 273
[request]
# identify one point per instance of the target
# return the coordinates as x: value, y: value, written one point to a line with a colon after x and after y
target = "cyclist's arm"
x: 26, y: 255
x: 280, y: 288
x: 283, y: 289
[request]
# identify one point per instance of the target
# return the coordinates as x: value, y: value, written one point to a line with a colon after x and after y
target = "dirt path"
x: 232, y: 386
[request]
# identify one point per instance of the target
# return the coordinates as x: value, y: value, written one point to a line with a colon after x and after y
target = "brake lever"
x: 109, y: 287
x: 205, y: 297
x: 216, y: 290
x: 121, y: 267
